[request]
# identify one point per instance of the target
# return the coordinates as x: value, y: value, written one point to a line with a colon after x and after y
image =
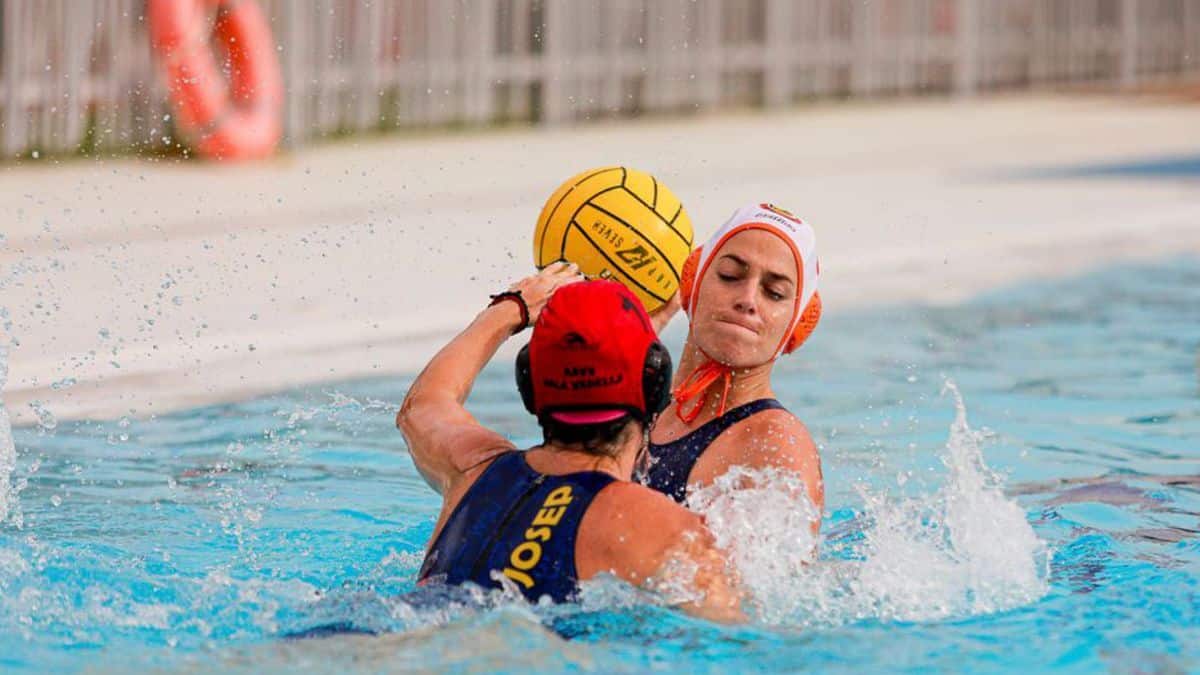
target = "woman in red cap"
x: 750, y: 294
x: 546, y: 518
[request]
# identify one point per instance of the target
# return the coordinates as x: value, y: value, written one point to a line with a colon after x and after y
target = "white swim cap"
x: 800, y: 238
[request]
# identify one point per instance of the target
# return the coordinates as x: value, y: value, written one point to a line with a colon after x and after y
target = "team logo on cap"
x: 782, y: 212
x: 572, y: 340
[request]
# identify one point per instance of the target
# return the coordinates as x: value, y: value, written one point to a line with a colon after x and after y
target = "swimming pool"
x: 194, y: 541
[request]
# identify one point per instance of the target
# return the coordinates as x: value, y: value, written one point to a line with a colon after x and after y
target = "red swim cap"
x: 587, y: 360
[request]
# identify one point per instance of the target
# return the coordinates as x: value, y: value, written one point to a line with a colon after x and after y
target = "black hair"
x: 603, y: 439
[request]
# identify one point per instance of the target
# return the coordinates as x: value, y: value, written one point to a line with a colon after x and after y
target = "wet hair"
x: 604, y: 439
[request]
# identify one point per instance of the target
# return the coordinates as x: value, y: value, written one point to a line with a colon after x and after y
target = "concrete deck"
x: 137, y: 287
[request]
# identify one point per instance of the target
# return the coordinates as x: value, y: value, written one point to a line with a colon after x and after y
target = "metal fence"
x: 79, y: 75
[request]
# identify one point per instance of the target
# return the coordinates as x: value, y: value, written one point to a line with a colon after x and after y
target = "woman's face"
x: 746, y: 299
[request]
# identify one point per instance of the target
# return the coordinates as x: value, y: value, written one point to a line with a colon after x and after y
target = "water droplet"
x: 64, y: 383
x: 46, y: 420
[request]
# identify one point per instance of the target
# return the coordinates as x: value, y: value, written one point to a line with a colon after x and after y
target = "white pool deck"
x: 159, y: 285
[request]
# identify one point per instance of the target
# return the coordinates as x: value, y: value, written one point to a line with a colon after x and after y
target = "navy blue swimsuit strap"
x: 671, y: 463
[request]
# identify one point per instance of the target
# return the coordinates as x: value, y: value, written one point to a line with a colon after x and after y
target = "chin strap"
x: 696, y: 387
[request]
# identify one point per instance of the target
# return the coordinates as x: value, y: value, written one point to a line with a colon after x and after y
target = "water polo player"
x: 544, y: 519
x: 750, y: 294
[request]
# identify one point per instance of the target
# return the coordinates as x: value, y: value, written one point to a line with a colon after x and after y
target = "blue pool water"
x: 1177, y: 167
x: 195, y: 540
x: 1180, y: 167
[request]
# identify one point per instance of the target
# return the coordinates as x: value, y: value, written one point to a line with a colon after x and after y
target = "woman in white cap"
x: 750, y: 296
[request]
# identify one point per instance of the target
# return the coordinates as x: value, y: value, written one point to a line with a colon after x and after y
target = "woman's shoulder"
x: 627, y: 500
x: 773, y: 437
x: 626, y: 511
x: 774, y: 420
x: 630, y: 523
x: 764, y: 418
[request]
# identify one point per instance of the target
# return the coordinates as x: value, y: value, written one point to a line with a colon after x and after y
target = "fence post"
x: 613, y: 51
x: 10, y: 74
x: 862, y: 74
x: 1129, y: 43
x: 79, y: 22
x: 553, y: 71
x: 967, y: 34
x: 708, y: 62
x: 365, y: 45
x: 777, y: 54
x: 292, y: 87
x: 1038, y: 67
x: 482, y: 49
x: 1191, y: 37
x: 654, y: 59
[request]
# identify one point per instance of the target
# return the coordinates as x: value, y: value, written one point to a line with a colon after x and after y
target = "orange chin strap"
x: 696, y: 386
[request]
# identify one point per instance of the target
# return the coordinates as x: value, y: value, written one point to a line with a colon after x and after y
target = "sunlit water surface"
x: 1050, y: 521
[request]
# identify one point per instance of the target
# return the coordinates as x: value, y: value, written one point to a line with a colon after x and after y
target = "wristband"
x: 514, y: 296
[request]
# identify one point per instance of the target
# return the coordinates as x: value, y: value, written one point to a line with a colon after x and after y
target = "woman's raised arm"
x: 445, y: 440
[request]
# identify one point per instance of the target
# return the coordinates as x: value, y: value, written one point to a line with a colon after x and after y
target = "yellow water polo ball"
x: 617, y: 223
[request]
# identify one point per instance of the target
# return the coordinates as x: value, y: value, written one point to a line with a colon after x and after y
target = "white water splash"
x: 763, y: 520
x: 342, y: 411
x: 46, y: 421
x: 8, y: 452
x: 966, y: 549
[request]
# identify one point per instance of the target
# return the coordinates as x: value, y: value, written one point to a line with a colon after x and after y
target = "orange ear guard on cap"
x: 804, y: 327
x: 687, y: 279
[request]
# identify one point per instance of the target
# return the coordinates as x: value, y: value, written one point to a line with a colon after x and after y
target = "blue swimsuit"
x: 518, y: 523
x: 671, y: 463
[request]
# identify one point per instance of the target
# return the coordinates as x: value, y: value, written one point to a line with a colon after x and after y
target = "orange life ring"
x: 238, y: 119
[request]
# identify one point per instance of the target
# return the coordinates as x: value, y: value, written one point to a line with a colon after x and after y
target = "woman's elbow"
x: 419, y: 412
x: 404, y: 416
